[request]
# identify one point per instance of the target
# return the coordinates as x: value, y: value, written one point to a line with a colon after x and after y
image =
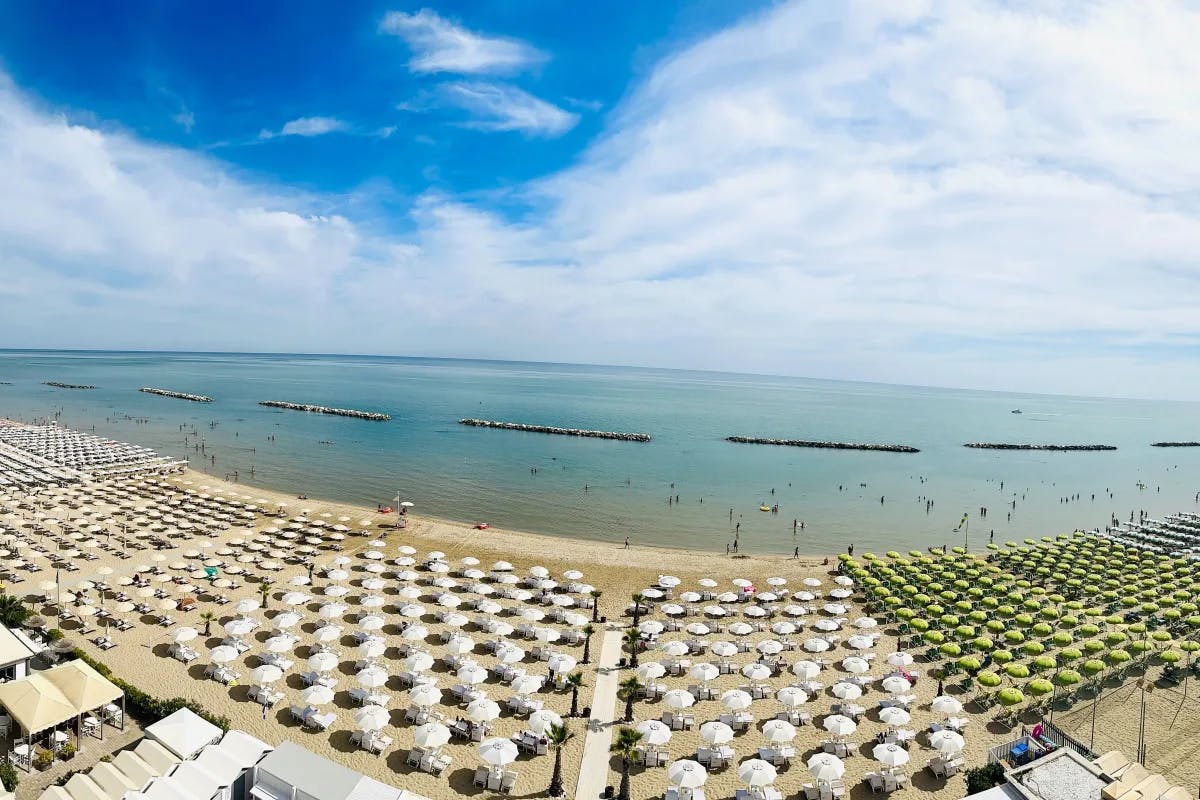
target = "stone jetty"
x: 883, y: 448
x: 195, y: 398
x: 337, y: 412
x: 1176, y: 444
x: 518, y: 426
x: 1057, y: 448
x: 58, y: 385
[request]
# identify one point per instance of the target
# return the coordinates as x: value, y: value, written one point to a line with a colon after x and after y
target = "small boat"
x: 1016, y: 411
x: 764, y: 508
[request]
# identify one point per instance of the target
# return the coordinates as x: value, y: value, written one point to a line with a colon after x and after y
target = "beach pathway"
x: 593, y: 773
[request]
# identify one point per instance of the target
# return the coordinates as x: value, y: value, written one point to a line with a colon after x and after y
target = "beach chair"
x: 417, y: 753
x: 875, y: 781
x: 481, y: 776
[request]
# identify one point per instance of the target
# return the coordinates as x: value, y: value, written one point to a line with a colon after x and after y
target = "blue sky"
x: 958, y: 192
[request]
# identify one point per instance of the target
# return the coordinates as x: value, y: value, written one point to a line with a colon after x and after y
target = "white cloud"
x: 501, y: 107
x: 185, y: 119
x: 307, y: 126
x: 966, y: 193
x: 439, y: 45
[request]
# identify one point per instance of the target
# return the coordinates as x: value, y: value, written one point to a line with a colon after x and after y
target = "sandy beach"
x: 142, y: 654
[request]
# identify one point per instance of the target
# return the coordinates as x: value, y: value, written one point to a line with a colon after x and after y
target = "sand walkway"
x: 593, y: 776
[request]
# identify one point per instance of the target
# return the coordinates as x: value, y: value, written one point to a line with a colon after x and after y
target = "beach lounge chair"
x: 301, y: 713
x: 481, y: 776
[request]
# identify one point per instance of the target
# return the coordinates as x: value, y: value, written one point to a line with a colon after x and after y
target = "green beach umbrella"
x: 1010, y: 697
x: 1043, y: 663
x: 1070, y: 654
x: 1002, y: 656
x: 1169, y: 657
x: 1033, y: 648
x: 1018, y: 671
x: 1068, y: 677
x: 1041, y: 629
x: 934, y: 637
x: 1016, y: 637
x: 1039, y: 686
x: 1062, y: 638
x: 1160, y: 636
x: 969, y: 663
x: 1189, y: 646
x: 1119, y: 656
x: 989, y: 679
x: 951, y: 650
x: 1093, y: 666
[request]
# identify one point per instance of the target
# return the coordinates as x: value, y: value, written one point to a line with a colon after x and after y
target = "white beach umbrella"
x: 331, y: 610
x: 690, y: 597
x: 791, y: 696
x: 498, y: 752
x: 431, y: 735
x: 337, y: 574
x: 455, y: 620
x: 723, y: 649
x: 336, y: 591
x: 686, y: 774
x: 264, y: 674
x: 944, y: 704
x: 460, y: 645
x: 834, y: 609
x: 860, y: 642
x: 542, y: 720
x: 561, y: 663
x: 472, y: 674
x: 425, y: 695
x: 673, y: 648
x: 370, y: 622
x: 317, y: 695
x: 651, y: 670
x: 840, y: 594
x: 840, y: 725
x: 826, y: 767
x: 409, y: 593
x: 524, y: 685
x: 279, y: 644
x: 295, y: 598
x: 247, y: 605
x: 947, y: 742
x: 866, y: 623
x: 654, y: 732
x: 900, y: 659
x: 412, y: 611
x: 184, y: 634
x: 651, y: 627
x: 679, y: 699
x: 546, y: 635
x: 890, y: 755
x: 418, y: 661
x: 756, y: 772
x: 736, y: 700
x: 483, y: 710
x: 448, y: 601
x: 778, y: 731
x: 756, y: 671
x: 372, y: 601
x: 846, y: 691
x: 741, y: 629
x: 672, y: 609
x: 509, y: 654
x: 783, y: 628
x: 288, y: 619
x: 322, y: 662
x: 770, y: 647
x: 372, y: 648
x: 372, y: 677
x: 806, y: 670
x: 414, y: 633
x: 894, y: 684
x: 844, y: 580
x: 716, y: 733
x: 372, y: 718
x: 327, y: 634
x: 816, y: 645
x: 856, y: 665
x: 794, y: 610
x: 223, y: 654
x: 894, y: 716
x: 755, y: 611
x: 811, y: 582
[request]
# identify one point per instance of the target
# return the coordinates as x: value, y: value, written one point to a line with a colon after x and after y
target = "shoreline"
x: 452, y: 535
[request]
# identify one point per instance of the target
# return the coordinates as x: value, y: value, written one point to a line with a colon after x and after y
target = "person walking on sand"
x: 626, y: 542
x: 796, y: 553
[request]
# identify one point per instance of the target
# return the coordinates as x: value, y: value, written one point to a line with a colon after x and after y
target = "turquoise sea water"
x: 473, y: 474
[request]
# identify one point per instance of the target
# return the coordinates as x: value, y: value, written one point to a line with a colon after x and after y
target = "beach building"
x: 15, y: 652
x: 293, y: 773
x: 1064, y: 774
x: 51, y: 706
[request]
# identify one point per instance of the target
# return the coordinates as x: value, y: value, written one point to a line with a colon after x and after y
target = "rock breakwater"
x: 1057, y: 448
x: 195, y: 398
x: 58, y: 385
x: 1176, y: 444
x: 337, y: 412
x: 518, y: 426
x: 884, y: 448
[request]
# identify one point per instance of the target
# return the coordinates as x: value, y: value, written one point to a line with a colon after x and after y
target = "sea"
x: 686, y: 488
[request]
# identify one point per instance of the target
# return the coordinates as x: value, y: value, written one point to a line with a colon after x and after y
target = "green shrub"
x: 66, y: 752
x: 54, y: 634
x: 43, y: 760
x: 8, y: 776
x: 145, y: 706
x: 980, y: 779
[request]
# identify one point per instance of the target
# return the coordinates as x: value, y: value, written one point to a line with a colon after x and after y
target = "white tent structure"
x: 183, y: 733
x: 293, y: 773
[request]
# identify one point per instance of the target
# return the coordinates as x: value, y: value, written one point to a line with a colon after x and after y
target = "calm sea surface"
x: 473, y: 474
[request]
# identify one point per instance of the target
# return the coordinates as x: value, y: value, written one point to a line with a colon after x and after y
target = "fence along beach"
x: 518, y: 426
x: 885, y: 448
x: 195, y: 398
x: 337, y: 412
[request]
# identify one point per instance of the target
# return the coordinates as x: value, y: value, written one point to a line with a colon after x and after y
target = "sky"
x: 997, y: 195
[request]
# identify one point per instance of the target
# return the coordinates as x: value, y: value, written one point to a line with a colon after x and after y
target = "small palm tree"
x: 595, y: 593
x: 633, y: 639
x: 575, y: 682
x: 625, y: 745
x: 629, y: 689
x: 588, y: 630
x: 264, y: 589
x: 638, y: 597
x: 208, y: 617
x: 558, y: 736
x: 12, y: 611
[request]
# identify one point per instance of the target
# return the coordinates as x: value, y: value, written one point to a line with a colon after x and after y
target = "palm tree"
x: 576, y: 682
x: 12, y: 611
x: 208, y: 617
x: 264, y: 589
x: 558, y: 736
x: 638, y: 597
x: 630, y: 687
x: 595, y: 593
x: 625, y: 746
x: 588, y: 630
x: 633, y: 638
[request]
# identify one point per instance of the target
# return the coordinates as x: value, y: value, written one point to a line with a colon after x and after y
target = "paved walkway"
x: 593, y: 770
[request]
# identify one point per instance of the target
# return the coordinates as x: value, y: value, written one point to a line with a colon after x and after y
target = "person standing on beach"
x: 626, y: 542
x: 850, y: 550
